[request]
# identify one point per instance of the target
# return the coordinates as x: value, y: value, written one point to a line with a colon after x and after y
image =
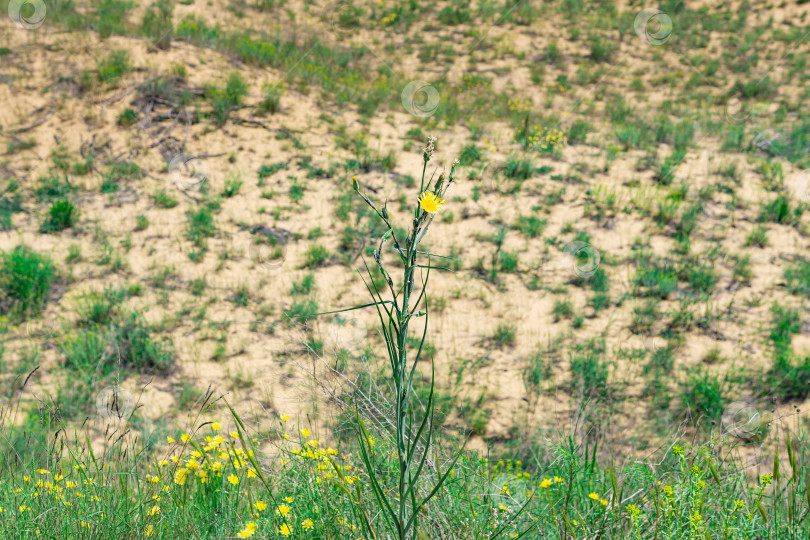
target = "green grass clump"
x: 61, y: 215
x: 114, y: 66
x: 797, y: 277
x: 201, y: 224
x: 227, y: 98
x: 26, y: 278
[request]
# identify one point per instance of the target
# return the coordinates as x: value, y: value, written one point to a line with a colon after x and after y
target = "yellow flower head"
x: 766, y: 479
x: 215, y: 426
x: 307, y: 524
x: 180, y: 476
x: 283, y: 510
x: 248, y: 531
x: 261, y: 505
x: 233, y: 479
x: 285, y: 530
x: 430, y: 203
x: 594, y: 496
x: 545, y: 483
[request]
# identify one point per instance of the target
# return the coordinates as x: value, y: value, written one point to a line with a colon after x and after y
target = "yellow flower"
x: 261, y: 505
x: 430, y: 203
x: 285, y: 530
x: 248, y: 531
x: 307, y: 524
x: 149, y: 529
x: 185, y: 438
x: 180, y: 476
x: 603, y: 502
x: 766, y: 479
x: 233, y: 479
x: 235, y: 434
x: 154, y: 510
x: 283, y: 510
x: 169, y: 439
x: 215, y: 426
x: 502, y: 507
x: 545, y: 483
x: 594, y: 496
x: 285, y: 417
x: 288, y: 500
x: 305, y: 432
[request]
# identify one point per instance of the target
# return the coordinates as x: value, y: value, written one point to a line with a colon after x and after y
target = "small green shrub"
x: 61, y: 215
x: 316, y: 255
x: 114, y: 66
x: 127, y: 117
x: 224, y: 100
x: 271, y: 98
x: 702, y: 394
x: 157, y: 23
x: 797, y: 278
x: 26, y: 278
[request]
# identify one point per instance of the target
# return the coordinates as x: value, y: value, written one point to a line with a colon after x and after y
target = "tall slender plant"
x: 415, y: 428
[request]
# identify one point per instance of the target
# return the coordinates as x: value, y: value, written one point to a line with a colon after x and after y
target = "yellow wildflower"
x: 431, y: 203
